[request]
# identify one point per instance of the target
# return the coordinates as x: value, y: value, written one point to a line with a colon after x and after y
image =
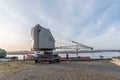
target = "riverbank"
x: 92, y: 70
x: 7, y: 68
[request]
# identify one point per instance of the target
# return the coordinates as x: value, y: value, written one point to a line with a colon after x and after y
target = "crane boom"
x: 77, y: 46
x: 82, y: 45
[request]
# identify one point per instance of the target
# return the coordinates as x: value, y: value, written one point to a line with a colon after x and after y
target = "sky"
x: 92, y: 22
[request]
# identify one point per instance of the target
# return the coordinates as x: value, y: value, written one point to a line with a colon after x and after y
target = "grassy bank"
x: 10, y: 67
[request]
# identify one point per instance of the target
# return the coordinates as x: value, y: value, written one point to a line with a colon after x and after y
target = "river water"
x: 105, y: 55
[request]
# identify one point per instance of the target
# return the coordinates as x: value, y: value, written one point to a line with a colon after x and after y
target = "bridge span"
x: 62, y: 52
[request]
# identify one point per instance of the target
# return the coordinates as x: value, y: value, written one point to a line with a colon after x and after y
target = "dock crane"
x: 43, y: 44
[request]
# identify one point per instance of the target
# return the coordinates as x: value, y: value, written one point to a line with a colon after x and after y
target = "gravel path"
x: 68, y: 71
x: 93, y: 66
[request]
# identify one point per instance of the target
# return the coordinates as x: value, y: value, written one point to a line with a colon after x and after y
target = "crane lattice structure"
x: 77, y: 46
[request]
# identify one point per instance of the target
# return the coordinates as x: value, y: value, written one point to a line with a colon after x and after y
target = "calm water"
x: 95, y: 55
x: 92, y: 55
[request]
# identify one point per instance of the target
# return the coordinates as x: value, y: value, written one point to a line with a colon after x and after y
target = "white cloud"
x: 109, y: 40
x: 54, y: 23
x: 85, y: 21
x: 11, y: 9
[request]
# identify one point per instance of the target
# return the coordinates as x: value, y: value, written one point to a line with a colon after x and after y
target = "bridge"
x: 63, y: 52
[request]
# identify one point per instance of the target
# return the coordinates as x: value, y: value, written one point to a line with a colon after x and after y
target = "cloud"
x: 55, y: 23
x: 92, y: 22
x: 11, y: 8
x: 67, y: 20
x: 98, y: 23
x: 12, y: 26
x: 109, y: 40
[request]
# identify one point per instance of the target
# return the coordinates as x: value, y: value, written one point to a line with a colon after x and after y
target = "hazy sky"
x: 93, y: 22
